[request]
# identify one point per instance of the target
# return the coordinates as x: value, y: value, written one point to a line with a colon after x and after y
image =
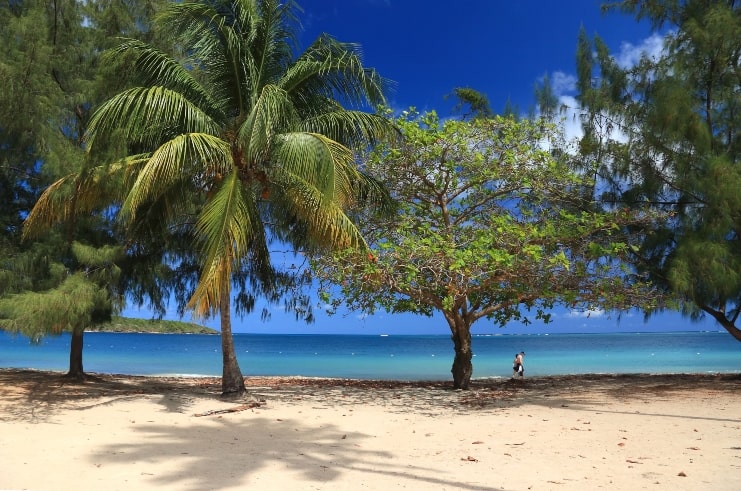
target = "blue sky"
x: 501, y: 48
x: 498, y: 47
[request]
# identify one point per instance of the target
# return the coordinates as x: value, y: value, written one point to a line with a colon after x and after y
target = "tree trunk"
x: 733, y: 331
x: 75, y: 355
x: 232, y: 381
x: 721, y: 318
x: 462, y: 365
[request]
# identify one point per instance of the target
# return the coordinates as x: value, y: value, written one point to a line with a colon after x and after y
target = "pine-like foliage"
x: 61, y: 275
x: 667, y: 132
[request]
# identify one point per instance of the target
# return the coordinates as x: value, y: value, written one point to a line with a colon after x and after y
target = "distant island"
x: 128, y: 324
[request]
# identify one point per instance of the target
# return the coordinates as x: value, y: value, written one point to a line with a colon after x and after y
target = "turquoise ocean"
x: 382, y: 357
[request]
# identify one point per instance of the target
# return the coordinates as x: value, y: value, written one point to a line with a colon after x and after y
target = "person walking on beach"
x: 517, y: 367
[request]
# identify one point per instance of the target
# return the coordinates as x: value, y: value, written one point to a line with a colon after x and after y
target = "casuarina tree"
x: 665, y: 132
x: 60, y: 280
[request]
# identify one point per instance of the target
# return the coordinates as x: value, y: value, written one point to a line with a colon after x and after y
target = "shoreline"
x: 722, y: 375
x: 124, y: 432
x: 474, y: 380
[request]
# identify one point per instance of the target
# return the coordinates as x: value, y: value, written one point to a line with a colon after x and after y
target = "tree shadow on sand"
x: 596, y: 392
x: 34, y: 396
x: 224, y: 453
x: 218, y: 451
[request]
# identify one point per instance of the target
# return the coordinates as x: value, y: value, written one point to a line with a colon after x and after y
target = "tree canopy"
x: 235, y: 142
x: 52, y: 77
x: 490, y: 226
x: 665, y: 133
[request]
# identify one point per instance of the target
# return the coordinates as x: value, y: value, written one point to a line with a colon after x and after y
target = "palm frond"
x: 53, y: 206
x: 79, y: 193
x: 192, y: 22
x: 226, y: 229
x: 322, y: 221
x: 317, y: 180
x: 242, y: 44
x: 315, y: 159
x: 155, y: 68
x: 148, y: 116
x: 271, y: 49
x: 272, y: 113
x: 331, y: 168
x: 185, y: 156
x: 335, y: 70
x: 354, y: 129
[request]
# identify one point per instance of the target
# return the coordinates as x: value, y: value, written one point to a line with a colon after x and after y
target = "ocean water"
x: 392, y: 357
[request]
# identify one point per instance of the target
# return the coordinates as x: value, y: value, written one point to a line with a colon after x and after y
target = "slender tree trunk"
x: 232, y: 381
x: 733, y: 331
x: 462, y: 365
x: 75, y: 355
x: 720, y: 317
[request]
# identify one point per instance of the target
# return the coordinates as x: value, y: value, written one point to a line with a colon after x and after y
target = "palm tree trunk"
x: 462, y: 364
x: 232, y: 381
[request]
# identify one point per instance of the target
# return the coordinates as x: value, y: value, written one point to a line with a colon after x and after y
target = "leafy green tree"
x: 237, y: 141
x: 665, y: 132
x: 490, y: 226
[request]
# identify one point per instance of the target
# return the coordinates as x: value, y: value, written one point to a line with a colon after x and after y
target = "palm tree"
x: 247, y: 137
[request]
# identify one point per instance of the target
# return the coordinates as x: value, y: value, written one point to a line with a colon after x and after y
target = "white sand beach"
x: 679, y: 432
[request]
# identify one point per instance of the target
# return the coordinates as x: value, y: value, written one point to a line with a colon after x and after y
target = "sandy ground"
x: 679, y: 432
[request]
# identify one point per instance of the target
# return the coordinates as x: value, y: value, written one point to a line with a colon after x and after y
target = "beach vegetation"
x: 77, y: 301
x: 492, y: 226
x: 665, y: 133
x: 232, y: 144
x: 65, y: 278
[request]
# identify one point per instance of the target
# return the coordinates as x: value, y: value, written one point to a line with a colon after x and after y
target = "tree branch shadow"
x: 34, y: 396
x: 596, y: 392
x: 223, y: 452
